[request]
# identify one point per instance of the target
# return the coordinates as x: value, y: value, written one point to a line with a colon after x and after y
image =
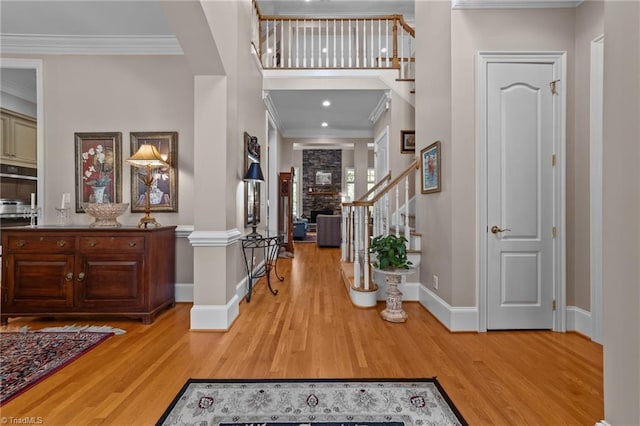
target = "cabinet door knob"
x: 132, y: 243
x: 62, y: 243
x: 21, y: 243
x: 81, y: 276
x: 69, y: 276
x: 93, y: 243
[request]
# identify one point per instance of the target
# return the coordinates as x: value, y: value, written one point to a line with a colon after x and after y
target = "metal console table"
x: 269, y: 247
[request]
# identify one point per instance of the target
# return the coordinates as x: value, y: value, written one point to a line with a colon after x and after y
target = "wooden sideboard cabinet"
x: 54, y: 271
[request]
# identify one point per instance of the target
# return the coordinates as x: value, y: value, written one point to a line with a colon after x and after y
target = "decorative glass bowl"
x: 105, y: 214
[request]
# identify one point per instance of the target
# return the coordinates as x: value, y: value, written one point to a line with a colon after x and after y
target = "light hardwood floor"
x: 311, y: 330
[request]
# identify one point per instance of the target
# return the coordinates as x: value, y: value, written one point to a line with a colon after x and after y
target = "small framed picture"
x: 98, y: 168
x: 408, y: 141
x: 430, y: 167
x: 164, y: 189
x: 323, y: 178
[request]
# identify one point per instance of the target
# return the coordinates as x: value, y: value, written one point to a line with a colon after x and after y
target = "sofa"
x: 329, y: 230
x: 299, y: 229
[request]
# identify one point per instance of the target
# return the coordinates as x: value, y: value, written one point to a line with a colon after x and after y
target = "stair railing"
x: 378, y: 42
x: 382, y: 209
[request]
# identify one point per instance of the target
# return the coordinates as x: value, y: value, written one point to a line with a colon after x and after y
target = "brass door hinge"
x: 553, y: 160
x: 554, y: 90
x: 553, y: 305
x: 554, y: 232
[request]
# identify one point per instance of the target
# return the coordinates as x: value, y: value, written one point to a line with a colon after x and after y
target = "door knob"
x: 496, y: 229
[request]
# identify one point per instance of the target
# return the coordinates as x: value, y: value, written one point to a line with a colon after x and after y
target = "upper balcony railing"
x: 380, y: 42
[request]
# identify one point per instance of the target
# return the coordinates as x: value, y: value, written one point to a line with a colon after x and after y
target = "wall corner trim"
x: 214, y: 238
x: 579, y: 320
x: 183, y: 231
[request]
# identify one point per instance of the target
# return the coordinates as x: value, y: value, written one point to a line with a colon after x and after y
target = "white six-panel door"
x: 520, y: 127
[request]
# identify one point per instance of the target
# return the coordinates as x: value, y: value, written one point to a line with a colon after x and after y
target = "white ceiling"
x: 300, y: 111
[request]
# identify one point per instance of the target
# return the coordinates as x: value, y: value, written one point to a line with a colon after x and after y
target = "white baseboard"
x: 454, y: 318
x: 215, y: 317
x: 603, y: 423
x: 184, y: 292
x: 578, y: 320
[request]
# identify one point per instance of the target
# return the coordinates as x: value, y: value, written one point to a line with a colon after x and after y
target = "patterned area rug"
x: 312, y: 402
x: 29, y: 357
x: 311, y: 237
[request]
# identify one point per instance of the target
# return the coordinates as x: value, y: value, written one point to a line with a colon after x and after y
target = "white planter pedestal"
x: 394, y: 312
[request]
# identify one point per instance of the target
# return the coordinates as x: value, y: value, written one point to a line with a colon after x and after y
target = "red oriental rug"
x: 30, y: 357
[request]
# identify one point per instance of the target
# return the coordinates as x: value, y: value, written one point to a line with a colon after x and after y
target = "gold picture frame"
x: 164, y: 189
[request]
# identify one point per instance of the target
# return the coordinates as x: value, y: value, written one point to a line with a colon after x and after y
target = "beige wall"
x: 621, y: 238
x: 108, y: 94
x: 589, y: 25
x: 450, y: 217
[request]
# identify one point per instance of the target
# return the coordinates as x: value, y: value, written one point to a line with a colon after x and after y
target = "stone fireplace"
x: 321, y: 181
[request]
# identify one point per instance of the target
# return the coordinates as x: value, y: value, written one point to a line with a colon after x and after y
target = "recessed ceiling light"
x: 269, y: 50
x: 324, y: 124
x: 383, y: 50
x: 326, y: 103
x: 324, y: 50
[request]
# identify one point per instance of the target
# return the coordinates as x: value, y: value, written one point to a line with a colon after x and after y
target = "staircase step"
x: 412, y: 231
x: 406, y: 79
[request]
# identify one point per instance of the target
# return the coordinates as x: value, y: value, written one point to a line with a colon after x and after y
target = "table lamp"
x: 254, y: 174
x: 147, y: 157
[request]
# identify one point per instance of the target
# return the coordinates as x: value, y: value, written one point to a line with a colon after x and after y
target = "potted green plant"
x: 389, y: 256
x: 390, y: 252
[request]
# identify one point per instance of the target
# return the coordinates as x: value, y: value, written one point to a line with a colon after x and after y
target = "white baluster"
x: 402, y: 70
x: 372, y: 63
x: 407, y: 230
x: 364, y: 43
x: 365, y: 240
x: 289, y: 47
x: 387, y: 42
x: 280, y: 53
x: 327, y: 40
x: 312, y: 47
x: 349, y: 28
x: 397, y: 211
x: 357, y: 47
x: 304, y: 43
x: 267, y: 45
x: 342, y: 43
x: 356, y: 240
x: 335, y: 36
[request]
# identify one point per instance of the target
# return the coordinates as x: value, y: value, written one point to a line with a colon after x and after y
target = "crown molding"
x: 271, y: 108
x: 89, y: 45
x: 514, y: 4
x: 383, y: 105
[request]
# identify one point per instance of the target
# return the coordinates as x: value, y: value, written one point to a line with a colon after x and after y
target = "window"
x: 294, y: 189
x: 350, y: 181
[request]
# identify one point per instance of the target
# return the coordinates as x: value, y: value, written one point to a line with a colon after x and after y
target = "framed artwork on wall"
x: 430, y: 168
x: 98, y: 168
x: 408, y: 138
x: 323, y: 178
x: 164, y: 189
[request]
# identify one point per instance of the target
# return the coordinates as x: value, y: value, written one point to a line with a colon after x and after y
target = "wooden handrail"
x: 375, y: 187
x: 414, y: 165
x: 331, y: 18
x: 406, y: 26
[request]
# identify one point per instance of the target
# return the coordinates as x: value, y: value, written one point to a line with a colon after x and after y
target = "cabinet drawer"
x: 49, y: 244
x: 98, y: 244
